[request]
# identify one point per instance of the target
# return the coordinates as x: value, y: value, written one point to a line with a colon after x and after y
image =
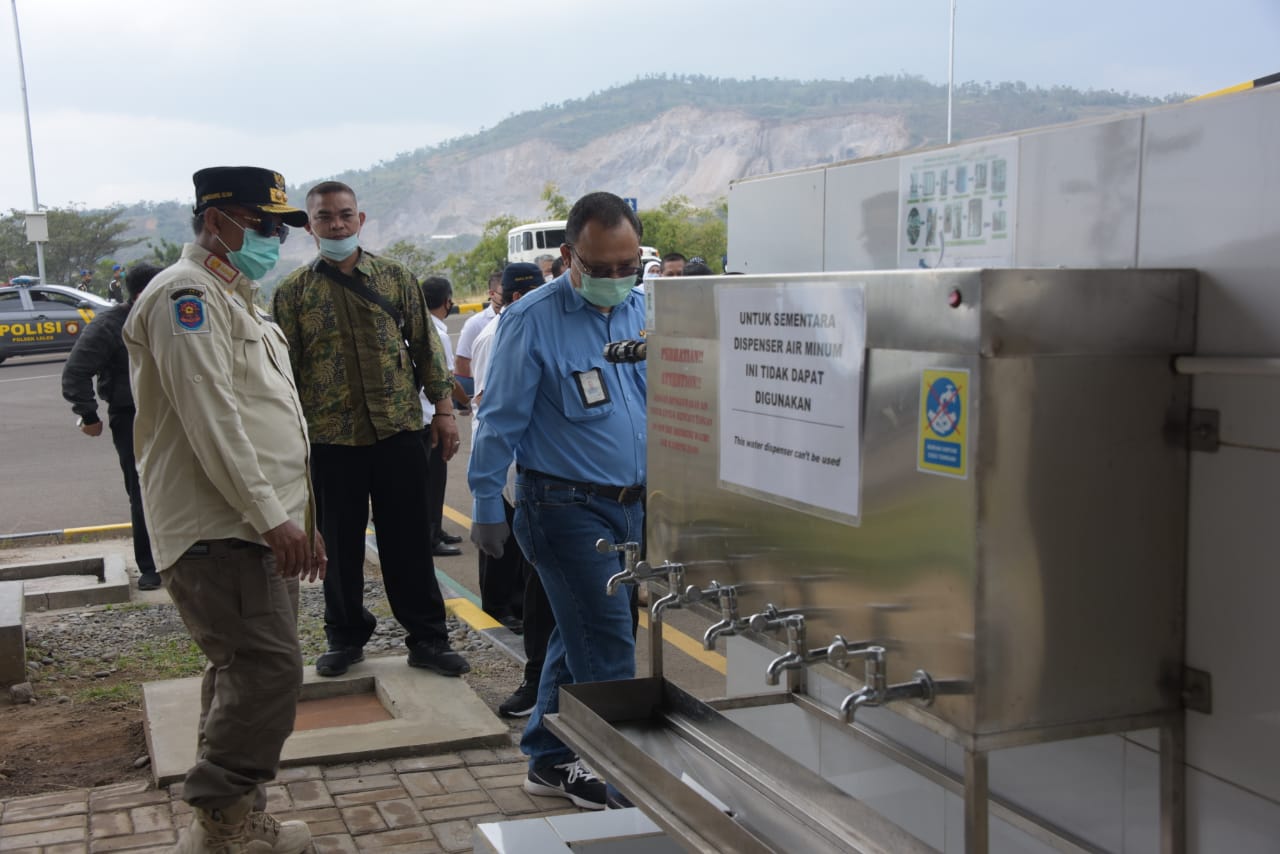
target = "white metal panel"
x: 775, y: 224
x: 1210, y: 179
x: 1249, y: 408
x: 1232, y: 629
x: 1078, y: 195
x: 745, y: 663
x: 1077, y: 785
x: 903, y: 797
x: 787, y: 728
x: 861, y: 228
x: 1223, y: 818
x: 1004, y: 838
x: 1141, y: 800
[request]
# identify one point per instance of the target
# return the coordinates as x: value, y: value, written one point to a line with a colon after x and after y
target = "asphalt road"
x: 54, y: 477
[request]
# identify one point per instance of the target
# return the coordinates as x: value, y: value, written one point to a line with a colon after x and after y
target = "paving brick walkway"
x: 419, y: 805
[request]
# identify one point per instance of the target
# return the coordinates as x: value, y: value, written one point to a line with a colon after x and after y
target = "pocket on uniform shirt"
x: 586, y: 393
x: 247, y: 346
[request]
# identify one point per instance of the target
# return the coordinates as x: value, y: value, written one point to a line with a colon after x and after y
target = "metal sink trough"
x: 708, y: 782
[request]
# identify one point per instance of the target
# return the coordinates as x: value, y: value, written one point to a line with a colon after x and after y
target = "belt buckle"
x: 622, y: 495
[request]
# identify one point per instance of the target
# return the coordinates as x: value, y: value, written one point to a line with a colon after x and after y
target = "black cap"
x: 250, y: 186
x: 521, y: 278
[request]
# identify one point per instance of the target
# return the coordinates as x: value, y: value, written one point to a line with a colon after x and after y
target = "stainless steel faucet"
x: 772, y: 619
x: 633, y: 571
x: 730, y: 623
x: 876, y: 692
x: 675, y: 595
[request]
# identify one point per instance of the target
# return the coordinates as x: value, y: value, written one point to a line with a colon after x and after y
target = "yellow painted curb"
x: 455, y: 516
x: 690, y: 647
x: 470, y: 307
x: 470, y: 614
x: 96, y: 529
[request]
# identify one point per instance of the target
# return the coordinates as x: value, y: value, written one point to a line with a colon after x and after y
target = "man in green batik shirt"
x: 362, y: 345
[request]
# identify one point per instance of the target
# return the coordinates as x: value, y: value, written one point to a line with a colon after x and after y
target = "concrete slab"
x: 430, y: 714
x: 13, y: 637
x: 72, y: 583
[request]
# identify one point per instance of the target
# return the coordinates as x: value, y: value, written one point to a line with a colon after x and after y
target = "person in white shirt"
x: 471, y: 329
x: 437, y: 292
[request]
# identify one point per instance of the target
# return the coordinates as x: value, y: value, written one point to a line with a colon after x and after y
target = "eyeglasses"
x: 606, y: 272
x: 266, y: 225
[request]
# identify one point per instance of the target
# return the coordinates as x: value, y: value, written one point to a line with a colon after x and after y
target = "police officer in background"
x: 100, y: 352
x: 223, y: 460
x: 115, y: 287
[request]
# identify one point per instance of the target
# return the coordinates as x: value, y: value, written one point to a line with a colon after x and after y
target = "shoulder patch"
x: 189, y: 312
x: 221, y: 268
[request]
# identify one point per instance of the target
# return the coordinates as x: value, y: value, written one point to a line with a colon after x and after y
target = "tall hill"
x: 668, y: 135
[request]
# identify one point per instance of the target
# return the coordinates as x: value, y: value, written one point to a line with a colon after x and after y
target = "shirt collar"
x: 570, y: 297
x: 227, y: 275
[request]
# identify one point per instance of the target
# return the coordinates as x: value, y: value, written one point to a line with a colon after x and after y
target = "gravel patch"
x: 97, y: 643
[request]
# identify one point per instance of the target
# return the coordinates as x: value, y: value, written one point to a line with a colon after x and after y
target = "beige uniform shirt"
x: 219, y: 436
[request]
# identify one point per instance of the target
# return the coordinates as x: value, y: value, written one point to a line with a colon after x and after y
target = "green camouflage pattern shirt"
x: 350, y: 363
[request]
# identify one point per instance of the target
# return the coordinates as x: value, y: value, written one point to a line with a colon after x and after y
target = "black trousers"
x: 437, y: 478
x: 121, y: 424
x: 502, y: 578
x: 392, y: 473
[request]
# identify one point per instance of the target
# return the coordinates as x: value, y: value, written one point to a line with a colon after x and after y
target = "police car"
x: 36, y: 318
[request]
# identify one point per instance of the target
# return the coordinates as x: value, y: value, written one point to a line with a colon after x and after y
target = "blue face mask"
x: 256, y: 256
x: 337, y: 250
x: 606, y: 293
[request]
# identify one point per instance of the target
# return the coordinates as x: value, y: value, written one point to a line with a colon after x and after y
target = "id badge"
x: 591, y: 387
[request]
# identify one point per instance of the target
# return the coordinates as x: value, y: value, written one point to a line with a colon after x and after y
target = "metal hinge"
x: 1203, y: 430
x: 1197, y: 690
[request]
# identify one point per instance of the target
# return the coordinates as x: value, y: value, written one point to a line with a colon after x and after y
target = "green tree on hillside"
x: 77, y: 241
x: 421, y: 262
x: 677, y: 226
x: 164, y: 253
x: 469, y: 271
x: 557, y: 204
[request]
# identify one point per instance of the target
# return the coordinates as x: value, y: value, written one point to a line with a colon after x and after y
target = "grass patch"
x: 118, y: 692
x: 163, y: 658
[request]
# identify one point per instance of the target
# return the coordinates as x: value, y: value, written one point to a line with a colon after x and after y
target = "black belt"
x: 210, y: 548
x: 620, y: 494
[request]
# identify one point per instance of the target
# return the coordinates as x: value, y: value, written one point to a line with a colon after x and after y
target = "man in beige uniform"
x: 223, y: 459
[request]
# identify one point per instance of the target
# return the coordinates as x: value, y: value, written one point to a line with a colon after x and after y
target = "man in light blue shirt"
x: 575, y: 425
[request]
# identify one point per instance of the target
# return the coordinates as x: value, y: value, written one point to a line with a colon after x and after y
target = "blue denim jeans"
x: 557, y: 526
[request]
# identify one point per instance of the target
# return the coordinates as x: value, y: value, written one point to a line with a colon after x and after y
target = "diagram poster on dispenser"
x: 792, y: 360
x: 943, y: 446
x: 957, y: 207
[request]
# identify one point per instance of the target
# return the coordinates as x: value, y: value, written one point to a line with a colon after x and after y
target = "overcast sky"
x: 129, y: 97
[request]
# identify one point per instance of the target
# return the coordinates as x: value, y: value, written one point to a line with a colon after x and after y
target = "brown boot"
x: 265, y: 834
x: 217, y: 831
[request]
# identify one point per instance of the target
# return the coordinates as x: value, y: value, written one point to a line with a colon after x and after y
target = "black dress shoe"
x: 149, y: 580
x: 438, y: 657
x: 451, y: 539
x: 336, y: 661
x: 445, y: 550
